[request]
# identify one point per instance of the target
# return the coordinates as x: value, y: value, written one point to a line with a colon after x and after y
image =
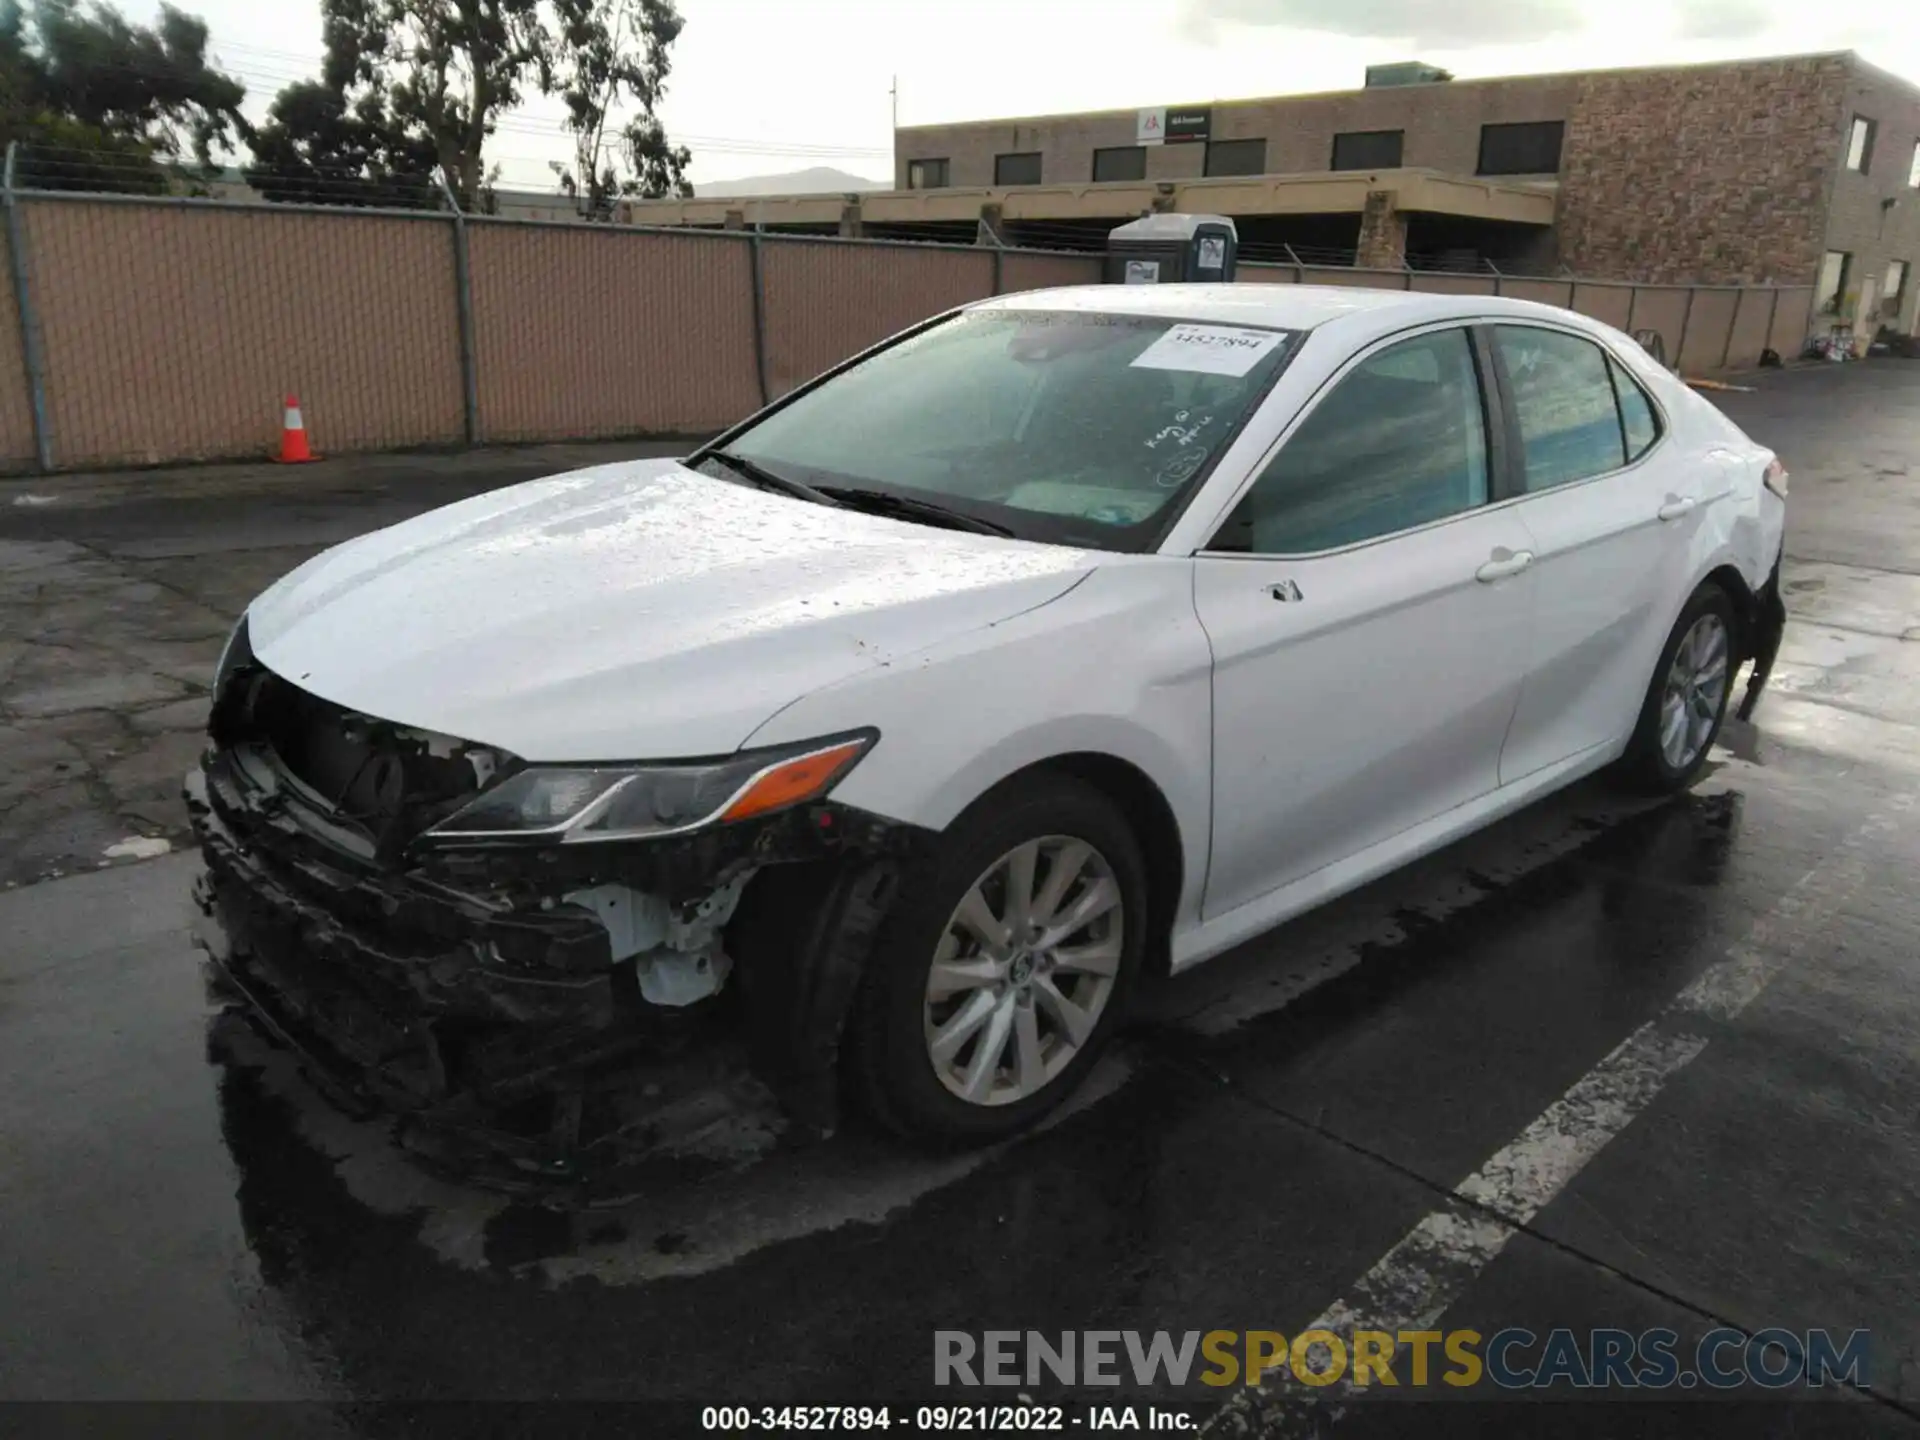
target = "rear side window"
x: 1638, y: 420
x: 1399, y: 441
x: 1570, y: 423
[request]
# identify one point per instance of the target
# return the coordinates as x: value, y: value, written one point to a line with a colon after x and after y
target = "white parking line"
x: 1415, y: 1282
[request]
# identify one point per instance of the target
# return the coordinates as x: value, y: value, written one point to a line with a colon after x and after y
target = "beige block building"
x: 1800, y: 170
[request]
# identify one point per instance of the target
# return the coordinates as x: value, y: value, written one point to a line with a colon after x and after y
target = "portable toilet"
x: 1165, y: 249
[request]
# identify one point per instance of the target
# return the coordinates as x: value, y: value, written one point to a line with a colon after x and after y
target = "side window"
x: 1638, y: 420
x: 1399, y: 441
x: 1569, y: 421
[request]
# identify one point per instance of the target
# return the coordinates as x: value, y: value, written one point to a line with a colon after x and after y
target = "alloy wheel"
x: 1023, y: 970
x: 1696, y: 689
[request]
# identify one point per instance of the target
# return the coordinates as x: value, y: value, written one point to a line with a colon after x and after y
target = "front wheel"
x: 1686, y: 701
x: 1004, y: 966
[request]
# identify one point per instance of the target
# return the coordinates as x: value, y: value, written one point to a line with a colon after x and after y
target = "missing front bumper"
x: 401, y: 1000
x: 487, y: 1072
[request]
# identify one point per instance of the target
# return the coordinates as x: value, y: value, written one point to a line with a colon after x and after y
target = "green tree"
x: 336, y: 140
x: 411, y: 86
x: 613, y: 51
x: 99, y: 103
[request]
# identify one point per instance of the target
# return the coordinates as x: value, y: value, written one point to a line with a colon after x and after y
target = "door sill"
x: 1243, y: 922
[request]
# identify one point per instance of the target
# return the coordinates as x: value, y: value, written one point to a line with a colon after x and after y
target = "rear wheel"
x: 1686, y: 701
x: 1004, y: 966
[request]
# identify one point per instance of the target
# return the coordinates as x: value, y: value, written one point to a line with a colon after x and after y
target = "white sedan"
x: 902, y: 726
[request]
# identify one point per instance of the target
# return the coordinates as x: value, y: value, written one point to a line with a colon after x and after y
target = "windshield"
x: 1078, y: 428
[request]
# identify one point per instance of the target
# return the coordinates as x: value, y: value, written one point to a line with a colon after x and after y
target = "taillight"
x: 1776, y: 478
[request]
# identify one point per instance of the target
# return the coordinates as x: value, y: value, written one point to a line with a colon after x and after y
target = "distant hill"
x: 820, y: 180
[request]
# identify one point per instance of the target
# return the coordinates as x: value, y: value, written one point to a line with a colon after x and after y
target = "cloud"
x: 1452, y: 26
x: 1722, y: 19
x: 1462, y: 24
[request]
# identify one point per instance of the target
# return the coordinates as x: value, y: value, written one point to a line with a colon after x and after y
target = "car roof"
x: 1280, y: 306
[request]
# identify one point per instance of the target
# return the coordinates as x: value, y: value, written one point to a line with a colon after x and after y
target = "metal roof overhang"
x: 1324, y: 193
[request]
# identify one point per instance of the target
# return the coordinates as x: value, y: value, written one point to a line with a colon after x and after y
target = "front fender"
x: 1117, y: 667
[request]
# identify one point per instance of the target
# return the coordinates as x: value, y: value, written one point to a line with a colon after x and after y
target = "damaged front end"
x: 501, y: 953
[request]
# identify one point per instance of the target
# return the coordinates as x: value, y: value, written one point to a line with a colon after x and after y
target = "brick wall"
x: 1714, y: 173
x: 1383, y: 232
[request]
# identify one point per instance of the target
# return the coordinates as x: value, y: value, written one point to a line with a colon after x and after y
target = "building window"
x: 1368, y: 150
x: 1532, y: 148
x: 1021, y: 168
x: 1832, y: 289
x: 1913, y: 169
x: 1860, y: 144
x: 1236, y: 157
x: 1124, y: 162
x: 926, y: 174
x: 1894, y: 292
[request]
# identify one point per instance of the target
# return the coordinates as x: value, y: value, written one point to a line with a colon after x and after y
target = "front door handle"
x: 1677, y: 506
x: 1504, y: 563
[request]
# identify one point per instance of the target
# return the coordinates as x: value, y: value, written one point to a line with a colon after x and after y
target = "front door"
x: 1369, y: 617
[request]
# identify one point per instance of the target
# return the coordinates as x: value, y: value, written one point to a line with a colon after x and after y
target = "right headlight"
x: 573, y: 805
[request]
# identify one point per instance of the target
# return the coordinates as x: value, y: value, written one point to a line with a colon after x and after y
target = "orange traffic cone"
x: 293, y: 437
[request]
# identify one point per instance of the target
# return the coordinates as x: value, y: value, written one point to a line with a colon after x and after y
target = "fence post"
x: 1633, y: 306
x: 1773, y: 314
x: 996, y: 266
x: 1499, y: 278
x: 759, y: 316
x: 1299, y: 270
x: 1686, y: 319
x: 1733, y: 323
x: 463, y: 283
x: 29, y: 320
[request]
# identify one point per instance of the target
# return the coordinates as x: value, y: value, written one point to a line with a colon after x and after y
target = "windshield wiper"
x: 768, y: 480
x: 882, y: 502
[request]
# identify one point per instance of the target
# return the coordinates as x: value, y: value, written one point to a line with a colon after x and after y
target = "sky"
x: 768, y: 86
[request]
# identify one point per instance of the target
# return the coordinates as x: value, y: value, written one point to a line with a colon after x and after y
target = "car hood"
x: 631, y: 611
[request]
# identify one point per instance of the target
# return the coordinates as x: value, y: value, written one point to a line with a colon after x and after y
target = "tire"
x: 897, y: 1020
x: 1653, y: 764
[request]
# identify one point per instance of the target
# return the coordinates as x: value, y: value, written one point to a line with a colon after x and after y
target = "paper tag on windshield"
x: 1209, y: 349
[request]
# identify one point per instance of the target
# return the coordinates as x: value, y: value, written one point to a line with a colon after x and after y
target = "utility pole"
x: 894, y: 142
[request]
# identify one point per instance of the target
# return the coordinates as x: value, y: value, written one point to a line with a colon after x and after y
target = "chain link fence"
x: 593, y: 331
x: 157, y: 329
x: 170, y: 332
x: 1700, y: 328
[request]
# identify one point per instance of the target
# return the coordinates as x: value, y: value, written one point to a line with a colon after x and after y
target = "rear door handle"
x: 1678, y: 506
x: 1503, y: 564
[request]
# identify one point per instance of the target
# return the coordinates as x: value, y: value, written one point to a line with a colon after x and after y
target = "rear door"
x: 1369, y: 617
x: 1610, y: 511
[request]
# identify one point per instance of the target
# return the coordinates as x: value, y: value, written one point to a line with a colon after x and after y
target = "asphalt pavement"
x: 1607, y: 1064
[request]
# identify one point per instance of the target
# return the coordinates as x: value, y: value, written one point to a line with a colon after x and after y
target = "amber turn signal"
x: 793, y: 781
